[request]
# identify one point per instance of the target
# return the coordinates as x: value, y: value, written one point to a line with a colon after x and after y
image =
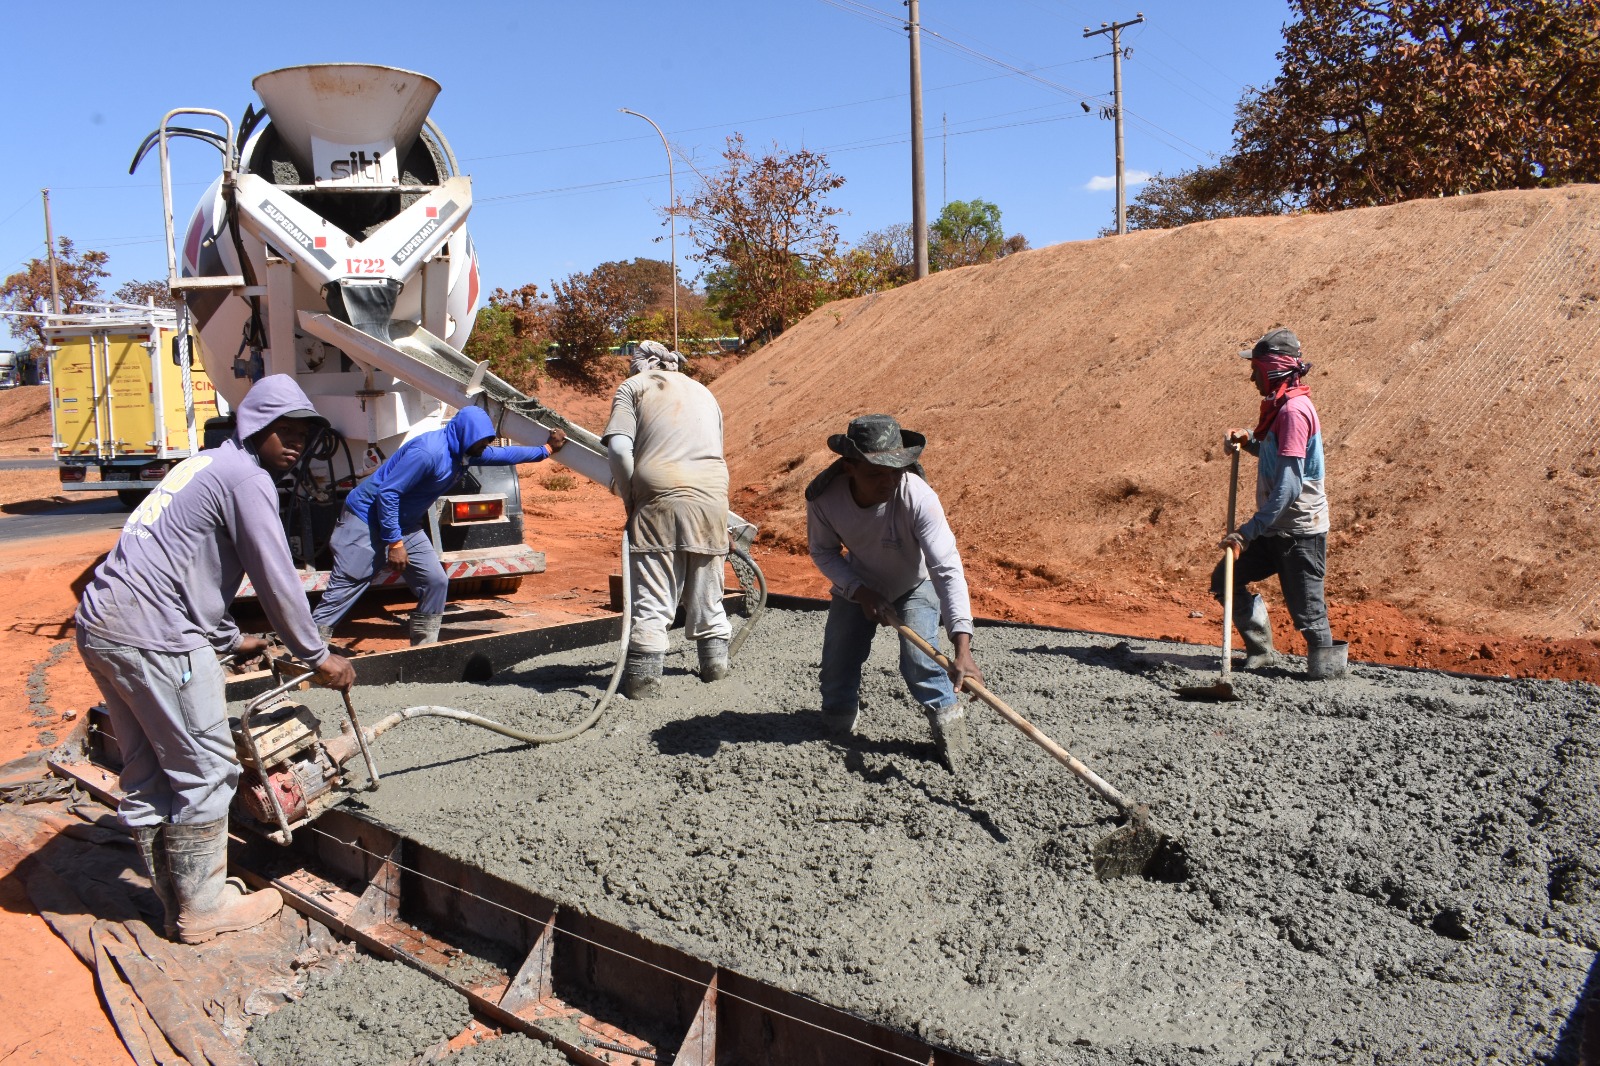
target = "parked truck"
x: 127, y: 399
x: 10, y: 370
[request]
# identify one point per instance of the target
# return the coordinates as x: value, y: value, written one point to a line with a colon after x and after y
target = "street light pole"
x: 672, y: 217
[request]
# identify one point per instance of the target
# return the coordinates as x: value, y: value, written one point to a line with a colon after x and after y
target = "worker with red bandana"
x: 1288, y: 534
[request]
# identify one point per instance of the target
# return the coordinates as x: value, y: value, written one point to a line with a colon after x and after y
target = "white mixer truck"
x: 333, y: 247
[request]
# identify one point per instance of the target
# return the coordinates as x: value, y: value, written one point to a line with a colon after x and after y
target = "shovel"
x: 1135, y: 848
x: 1222, y: 691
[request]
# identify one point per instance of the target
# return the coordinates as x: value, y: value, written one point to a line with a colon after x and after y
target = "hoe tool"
x: 1136, y: 847
x: 1222, y: 691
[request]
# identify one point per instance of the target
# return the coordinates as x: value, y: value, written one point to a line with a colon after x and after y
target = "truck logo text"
x: 298, y: 235
x: 428, y: 229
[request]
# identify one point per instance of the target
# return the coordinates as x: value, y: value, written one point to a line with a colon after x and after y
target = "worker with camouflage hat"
x: 1288, y: 533
x: 664, y: 445
x: 882, y: 538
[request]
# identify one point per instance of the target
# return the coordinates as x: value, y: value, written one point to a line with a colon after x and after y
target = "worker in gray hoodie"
x: 152, y: 628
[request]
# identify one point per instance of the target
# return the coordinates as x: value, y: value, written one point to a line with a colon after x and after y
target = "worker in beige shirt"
x: 664, y: 444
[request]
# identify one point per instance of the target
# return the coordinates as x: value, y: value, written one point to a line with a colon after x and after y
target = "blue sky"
x: 563, y: 181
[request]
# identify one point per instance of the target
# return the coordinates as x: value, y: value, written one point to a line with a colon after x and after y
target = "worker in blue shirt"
x: 386, y: 518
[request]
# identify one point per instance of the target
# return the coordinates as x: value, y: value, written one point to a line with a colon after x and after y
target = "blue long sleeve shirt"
x: 396, y: 497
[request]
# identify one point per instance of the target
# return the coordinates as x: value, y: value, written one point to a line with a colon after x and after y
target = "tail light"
x: 154, y: 472
x: 477, y: 510
x: 70, y: 474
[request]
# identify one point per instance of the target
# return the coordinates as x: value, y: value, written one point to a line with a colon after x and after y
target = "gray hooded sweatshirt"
x: 167, y: 583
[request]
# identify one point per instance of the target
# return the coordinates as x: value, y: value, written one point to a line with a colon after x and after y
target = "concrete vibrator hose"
x: 757, y: 579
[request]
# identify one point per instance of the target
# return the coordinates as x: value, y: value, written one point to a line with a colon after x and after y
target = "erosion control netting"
x: 1390, y: 867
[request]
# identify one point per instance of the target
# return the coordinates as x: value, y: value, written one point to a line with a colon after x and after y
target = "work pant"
x: 169, y: 714
x: 359, y: 550
x: 659, y: 580
x: 1301, y: 563
x: 847, y: 641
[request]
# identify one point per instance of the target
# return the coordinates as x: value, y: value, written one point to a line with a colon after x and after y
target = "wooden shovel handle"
x: 1062, y: 755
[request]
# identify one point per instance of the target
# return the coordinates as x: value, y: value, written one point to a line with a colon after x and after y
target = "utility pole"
x: 50, y: 249
x: 1115, y: 29
x: 919, y: 201
x: 944, y: 185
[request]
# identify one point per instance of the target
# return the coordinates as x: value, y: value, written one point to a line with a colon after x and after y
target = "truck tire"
x: 130, y: 498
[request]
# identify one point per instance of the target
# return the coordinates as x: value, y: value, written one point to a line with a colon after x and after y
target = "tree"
x: 881, y: 259
x: 77, y: 278
x: 764, y: 232
x: 589, y: 312
x: 965, y: 233
x: 1197, y: 195
x: 145, y: 293
x: 511, y: 331
x: 1386, y: 101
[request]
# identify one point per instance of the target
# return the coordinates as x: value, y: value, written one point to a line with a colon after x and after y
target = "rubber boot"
x: 1255, y: 629
x: 209, y: 902
x: 425, y: 628
x: 713, y: 658
x: 949, y: 728
x: 1329, y: 661
x: 840, y: 723
x: 152, y: 849
x: 641, y: 677
x: 326, y: 633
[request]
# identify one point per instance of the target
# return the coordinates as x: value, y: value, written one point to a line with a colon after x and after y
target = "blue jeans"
x: 847, y: 641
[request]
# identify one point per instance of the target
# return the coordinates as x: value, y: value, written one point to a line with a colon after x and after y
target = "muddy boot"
x: 641, y: 677
x: 840, y: 723
x: 209, y: 901
x: 425, y: 628
x: 713, y: 658
x: 154, y: 853
x: 1255, y: 629
x: 949, y: 727
x: 326, y: 633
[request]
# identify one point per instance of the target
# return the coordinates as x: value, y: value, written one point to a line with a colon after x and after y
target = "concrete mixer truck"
x: 333, y: 246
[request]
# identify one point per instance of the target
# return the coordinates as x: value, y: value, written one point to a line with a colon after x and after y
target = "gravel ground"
x: 1392, y: 867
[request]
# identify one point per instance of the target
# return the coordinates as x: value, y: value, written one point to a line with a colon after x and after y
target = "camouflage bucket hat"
x: 878, y: 439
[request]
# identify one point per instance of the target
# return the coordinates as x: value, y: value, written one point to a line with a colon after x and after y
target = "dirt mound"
x: 25, y: 421
x: 1075, y: 397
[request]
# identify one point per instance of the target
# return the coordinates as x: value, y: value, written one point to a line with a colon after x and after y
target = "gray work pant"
x: 170, y: 716
x: 358, y: 550
x: 659, y: 581
x: 1301, y: 563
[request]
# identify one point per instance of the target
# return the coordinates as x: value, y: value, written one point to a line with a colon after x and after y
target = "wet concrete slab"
x: 1396, y: 866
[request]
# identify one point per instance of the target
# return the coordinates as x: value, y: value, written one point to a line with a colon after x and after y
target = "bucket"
x: 1325, y: 663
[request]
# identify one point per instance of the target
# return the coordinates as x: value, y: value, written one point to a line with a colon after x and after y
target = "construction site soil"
x: 1393, y: 867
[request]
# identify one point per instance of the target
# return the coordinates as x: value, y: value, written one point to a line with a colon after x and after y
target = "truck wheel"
x: 129, y: 498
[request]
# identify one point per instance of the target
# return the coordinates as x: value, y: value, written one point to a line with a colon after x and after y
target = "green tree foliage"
x: 1197, y: 195
x: 146, y: 293
x: 1386, y: 101
x: 77, y: 278
x: 765, y: 233
x: 966, y: 232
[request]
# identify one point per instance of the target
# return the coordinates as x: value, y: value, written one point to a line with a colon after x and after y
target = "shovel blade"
x: 1221, y: 692
x: 1139, y: 850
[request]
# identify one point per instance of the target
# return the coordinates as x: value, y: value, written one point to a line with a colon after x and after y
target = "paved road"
x: 27, y: 464
x: 100, y: 513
